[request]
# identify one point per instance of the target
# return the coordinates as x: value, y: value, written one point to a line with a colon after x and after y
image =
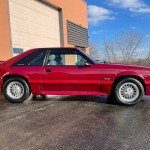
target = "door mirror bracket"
x: 87, y: 64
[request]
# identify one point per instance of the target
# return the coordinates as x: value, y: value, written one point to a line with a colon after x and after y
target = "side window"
x: 74, y: 59
x: 35, y: 58
x: 65, y: 57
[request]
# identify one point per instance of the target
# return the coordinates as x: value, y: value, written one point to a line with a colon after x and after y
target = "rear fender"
x: 33, y: 87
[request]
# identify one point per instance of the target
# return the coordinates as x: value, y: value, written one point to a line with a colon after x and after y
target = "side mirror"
x: 87, y: 64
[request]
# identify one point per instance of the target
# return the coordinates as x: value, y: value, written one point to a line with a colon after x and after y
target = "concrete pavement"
x: 74, y: 123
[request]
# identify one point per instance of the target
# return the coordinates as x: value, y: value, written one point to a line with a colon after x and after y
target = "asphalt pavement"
x: 74, y: 123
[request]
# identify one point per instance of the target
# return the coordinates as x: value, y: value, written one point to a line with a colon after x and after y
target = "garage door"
x: 33, y: 24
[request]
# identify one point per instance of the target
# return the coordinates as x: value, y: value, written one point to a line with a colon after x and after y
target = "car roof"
x: 56, y: 48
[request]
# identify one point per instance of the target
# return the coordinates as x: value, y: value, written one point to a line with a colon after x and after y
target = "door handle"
x: 48, y: 70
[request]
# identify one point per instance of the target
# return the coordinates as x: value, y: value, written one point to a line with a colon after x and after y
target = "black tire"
x: 23, y: 89
x: 129, y: 91
x: 39, y: 97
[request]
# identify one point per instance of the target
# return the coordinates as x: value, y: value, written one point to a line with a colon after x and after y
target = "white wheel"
x: 129, y: 91
x: 15, y: 90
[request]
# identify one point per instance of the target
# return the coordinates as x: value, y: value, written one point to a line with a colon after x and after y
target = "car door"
x: 69, y: 73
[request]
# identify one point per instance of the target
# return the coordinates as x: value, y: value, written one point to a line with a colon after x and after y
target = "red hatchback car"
x: 69, y: 71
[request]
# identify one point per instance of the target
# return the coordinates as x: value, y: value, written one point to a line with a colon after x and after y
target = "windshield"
x: 91, y: 57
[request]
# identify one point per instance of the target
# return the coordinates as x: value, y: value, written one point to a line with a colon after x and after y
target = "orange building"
x: 26, y: 24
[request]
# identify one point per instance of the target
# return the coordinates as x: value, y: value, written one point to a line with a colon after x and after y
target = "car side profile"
x: 69, y: 71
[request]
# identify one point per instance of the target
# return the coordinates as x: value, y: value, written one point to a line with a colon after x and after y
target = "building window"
x: 17, y: 50
x: 77, y: 35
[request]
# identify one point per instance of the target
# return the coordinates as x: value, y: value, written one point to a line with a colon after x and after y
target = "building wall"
x: 5, y: 43
x: 72, y: 10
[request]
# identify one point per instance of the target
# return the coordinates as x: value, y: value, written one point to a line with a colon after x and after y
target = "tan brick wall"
x: 5, y: 44
x: 73, y: 10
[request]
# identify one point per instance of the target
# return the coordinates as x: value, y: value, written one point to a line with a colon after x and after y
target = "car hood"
x: 124, y: 66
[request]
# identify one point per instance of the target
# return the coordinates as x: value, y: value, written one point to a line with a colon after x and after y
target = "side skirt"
x: 73, y: 93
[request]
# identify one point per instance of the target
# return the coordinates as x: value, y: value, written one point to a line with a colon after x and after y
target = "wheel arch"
x: 5, y: 78
x: 126, y: 76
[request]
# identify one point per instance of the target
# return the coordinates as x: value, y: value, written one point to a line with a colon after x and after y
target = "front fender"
x: 129, y: 73
x: 136, y: 75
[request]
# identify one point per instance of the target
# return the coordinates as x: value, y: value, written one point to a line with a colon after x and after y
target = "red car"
x: 69, y: 71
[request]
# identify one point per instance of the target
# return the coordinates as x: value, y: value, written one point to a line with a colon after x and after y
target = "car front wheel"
x: 16, y: 90
x: 129, y: 91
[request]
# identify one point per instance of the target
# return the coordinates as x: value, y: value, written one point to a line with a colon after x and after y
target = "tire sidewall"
x: 134, y: 81
x: 25, y: 86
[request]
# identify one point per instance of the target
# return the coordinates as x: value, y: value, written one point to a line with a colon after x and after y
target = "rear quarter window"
x: 35, y: 58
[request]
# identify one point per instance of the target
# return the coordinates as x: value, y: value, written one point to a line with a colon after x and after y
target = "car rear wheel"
x: 16, y: 90
x: 129, y: 91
